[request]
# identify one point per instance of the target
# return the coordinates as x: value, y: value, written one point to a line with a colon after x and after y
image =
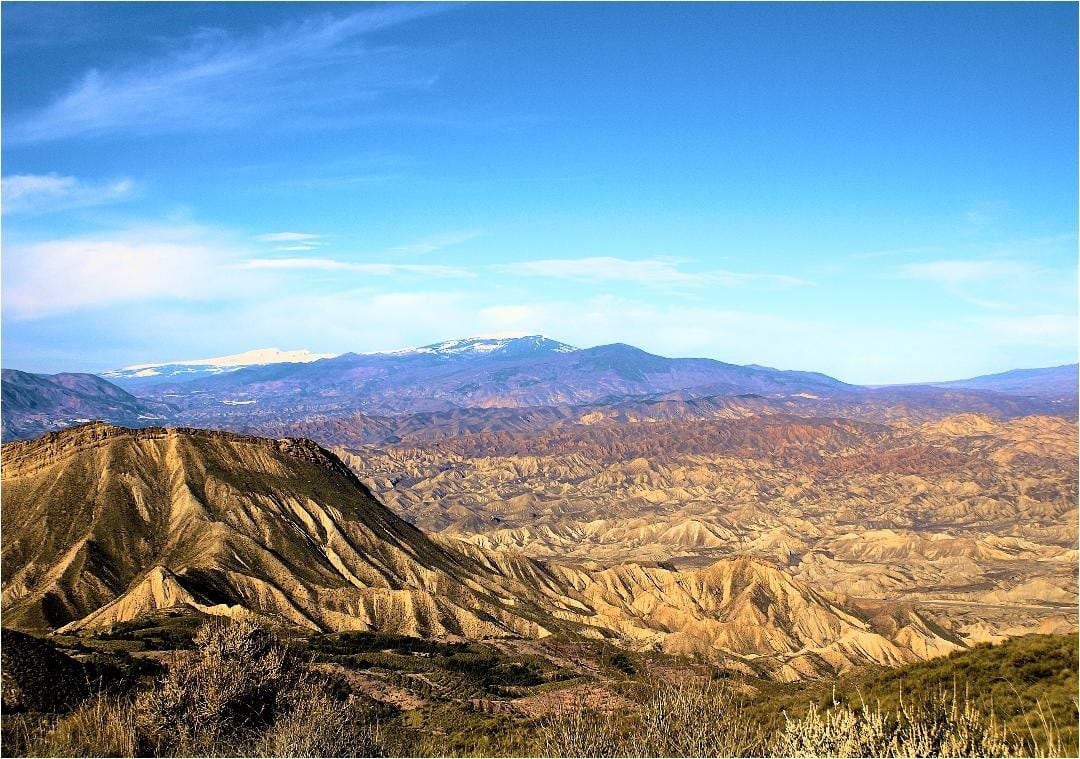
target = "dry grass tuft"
x: 102, y: 726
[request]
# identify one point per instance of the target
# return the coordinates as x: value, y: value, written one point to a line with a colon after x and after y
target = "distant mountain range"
x: 472, y: 373
x: 266, y: 389
x: 1051, y: 382
x: 507, y: 347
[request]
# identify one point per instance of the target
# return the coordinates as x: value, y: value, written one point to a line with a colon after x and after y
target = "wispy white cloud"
x: 438, y: 242
x: 142, y: 263
x: 955, y: 272
x: 217, y: 80
x: 288, y: 237
x: 1019, y: 277
x: 643, y: 271
x: 47, y: 193
x: 1002, y: 248
x: 985, y: 214
x: 373, y: 269
x: 292, y: 242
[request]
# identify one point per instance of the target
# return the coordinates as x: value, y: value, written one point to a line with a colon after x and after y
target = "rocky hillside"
x: 37, y: 403
x: 969, y: 515
x: 103, y: 525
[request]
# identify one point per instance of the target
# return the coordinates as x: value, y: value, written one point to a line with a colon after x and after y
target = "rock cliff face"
x: 104, y: 524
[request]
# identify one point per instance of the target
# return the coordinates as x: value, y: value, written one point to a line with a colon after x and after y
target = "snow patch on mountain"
x: 481, y: 346
x: 257, y: 357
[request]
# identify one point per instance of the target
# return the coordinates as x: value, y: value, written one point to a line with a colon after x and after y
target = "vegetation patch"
x: 240, y: 689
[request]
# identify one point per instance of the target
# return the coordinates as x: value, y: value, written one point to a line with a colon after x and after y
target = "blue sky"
x: 881, y: 192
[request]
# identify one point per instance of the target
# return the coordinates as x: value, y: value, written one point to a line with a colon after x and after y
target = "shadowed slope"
x: 103, y: 524
x: 37, y: 403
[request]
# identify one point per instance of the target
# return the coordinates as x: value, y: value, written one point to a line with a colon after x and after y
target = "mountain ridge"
x: 33, y: 404
x: 1061, y: 380
x: 478, y: 375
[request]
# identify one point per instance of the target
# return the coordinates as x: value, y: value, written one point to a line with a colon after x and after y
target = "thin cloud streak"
x: 1044, y: 329
x: 288, y: 237
x: 219, y: 81
x: 645, y: 271
x: 49, y: 193
x: 373, y: 269
x: 913, y: 250
x: 954, y: 272
x: 437, y: 243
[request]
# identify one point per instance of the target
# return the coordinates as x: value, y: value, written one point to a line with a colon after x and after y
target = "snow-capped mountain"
x: 472, y: 372
x: 202, y: 367
x: 246, y: 390
x: 489, y: 346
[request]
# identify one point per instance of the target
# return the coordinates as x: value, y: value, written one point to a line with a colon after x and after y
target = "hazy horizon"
x: 248, y: 358
x: 881, y: 193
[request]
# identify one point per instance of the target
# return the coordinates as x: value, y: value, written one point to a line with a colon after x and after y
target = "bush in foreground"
x: 940, y: 727
x: 692, y: 718
x: 701, y: 719
x: 240, y: 692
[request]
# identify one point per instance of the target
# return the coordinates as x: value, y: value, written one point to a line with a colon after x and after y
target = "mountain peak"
x: 504, y: 346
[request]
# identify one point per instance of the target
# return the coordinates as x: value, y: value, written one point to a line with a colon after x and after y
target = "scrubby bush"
x: 694, y: 718
x: 691, y: 718
x: 698, y: 718
x: 314, y: 723
x: 578, y: 730
x: 221, y: 694
x: 240, y: 692
x: 942, y: 726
